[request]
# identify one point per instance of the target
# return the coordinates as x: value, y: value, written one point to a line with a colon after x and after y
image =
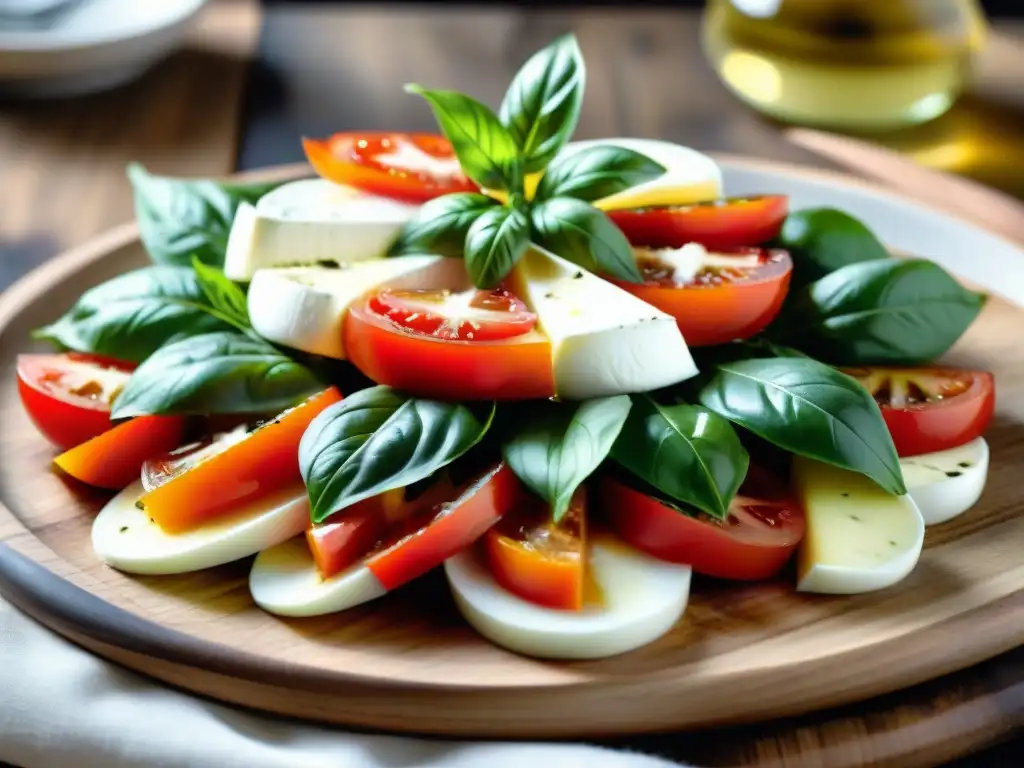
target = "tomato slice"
x: 265, y: 460
x: 539, y: 560
x: 113, y: 459
x: 931, y: 409
x: 722, y: 302
x: 465, y: 315
x: 413, y: 167
x: 68, y: 396
x: 763, y: 528
x: 517, y: 368
x: 717, y: 224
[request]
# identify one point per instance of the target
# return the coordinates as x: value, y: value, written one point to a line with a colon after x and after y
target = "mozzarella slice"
x: 304, y: 307
x: 688, y: 261
x: 285, y: 581
x: 125, y: 538
x: 642, y: 598
x: 312, y: 221
x: 859, y: 538
x: 604, y: 340
x: 690, y: 176
x: 945, y: 484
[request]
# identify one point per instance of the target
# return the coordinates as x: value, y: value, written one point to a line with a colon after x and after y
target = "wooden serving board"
x: 408, y: 662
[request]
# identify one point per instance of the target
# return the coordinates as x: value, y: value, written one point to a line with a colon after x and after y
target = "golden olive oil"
x: 846, y: 64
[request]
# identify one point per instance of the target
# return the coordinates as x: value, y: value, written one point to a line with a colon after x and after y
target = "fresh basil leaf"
x: 486, y: 150
x: 595, y: 172
x: 226, y: 299
x: 379, y: 439
x: 134, y: 314
x: 822, y: 240
x: 179, y: 218
x: 441, y: 225
x: 224, y: 372
x: 895, y: 311
x: 542, y: 105
x: 810, y: 409
x: 562, y: 444
x: 581, y: 233
x: 494, y: 243
x: 685, y: 451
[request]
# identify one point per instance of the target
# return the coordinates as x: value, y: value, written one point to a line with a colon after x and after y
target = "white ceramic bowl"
x: 96, y: 45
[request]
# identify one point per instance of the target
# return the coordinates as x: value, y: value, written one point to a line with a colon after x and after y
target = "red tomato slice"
x: 763, y: 528
x: 68, y: 396
x: 466, y: 315
x: 539, y: 560
x: 931, y: 409
x: 413, y: 167
x: 263, y: 461
x: 723, y: 303
x: 518, y: 368
x: 716, y: 224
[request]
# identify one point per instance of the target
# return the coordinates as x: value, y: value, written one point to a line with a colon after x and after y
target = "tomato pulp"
x: 931, y: 409
x: 467, y: 315
x: 412, y: 167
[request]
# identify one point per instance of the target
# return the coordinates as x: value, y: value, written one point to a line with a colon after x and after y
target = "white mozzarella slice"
x: 945, y: 484
x: 690, y: 176
x: 642, y: 598
x: 310, y: 222
x: 859, y: 538
x: 124, y: 537
x: 305, y: 307
x: 285, y: 581
x: 688, y: 261
x: 604, y: 340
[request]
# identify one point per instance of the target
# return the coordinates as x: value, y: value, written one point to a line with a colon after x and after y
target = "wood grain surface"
x: 183, y: 118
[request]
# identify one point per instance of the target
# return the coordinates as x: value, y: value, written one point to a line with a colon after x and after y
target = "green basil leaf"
x: 595, y: 172
x: 810, y: 409
x: 379, y: 439
x: 131, y: 316
x: 895, y: 311
x: 581, y: 233
x: 822, y: 240
x: 562, y: 444
x: 542, y: 105
x: 494, y: 243
x: 224, y: 372
x: 441, y: 225
x: 179, y: 218
x: 486, y: 150
x: 687, y: 452
x: 225, y: 297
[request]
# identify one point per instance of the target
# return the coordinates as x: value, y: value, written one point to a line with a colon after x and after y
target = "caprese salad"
x: 569, y: 373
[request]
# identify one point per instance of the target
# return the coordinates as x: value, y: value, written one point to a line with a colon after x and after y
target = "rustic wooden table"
x: 313, y: 70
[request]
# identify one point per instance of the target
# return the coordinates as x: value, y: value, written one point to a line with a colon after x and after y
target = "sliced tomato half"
x: 516, y: 368
x: 471, y: 315
x: 727, y: 223
x: 412, y: 167
x: 931, y: 409
x: 538, y: 559
x: 763, y: 528
x: 236, y: 471
x: 68, y: 396
x: 723, y: 301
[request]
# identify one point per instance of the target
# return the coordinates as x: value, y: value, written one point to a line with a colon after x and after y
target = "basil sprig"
x: 379, y: 439
x: 822, y: 240
x: 226, y: 299
x: 538, y: 115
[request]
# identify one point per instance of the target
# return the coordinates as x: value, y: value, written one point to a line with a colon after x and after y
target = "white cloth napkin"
x: 60, y: 706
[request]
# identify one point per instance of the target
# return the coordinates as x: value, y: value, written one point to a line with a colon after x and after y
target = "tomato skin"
x: 743, y: 553
x: 266, y: 460
x: 350, y: 158
x: 518, y: 369
x: 468, y: 316
x: 336, y: 545
x: 708, y: 315
x: 718, y: 224
x: 65, y: 419
x: 114, y: 459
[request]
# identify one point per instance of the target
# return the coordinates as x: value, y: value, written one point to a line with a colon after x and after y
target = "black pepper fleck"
x: 964, y: 465
x: 123, y: 529
x: 854, y: 517
x: 549, y: 295
x: 845, y: 495
x: 578, y: 276
x: 893, y: 543
x: 954, y: 474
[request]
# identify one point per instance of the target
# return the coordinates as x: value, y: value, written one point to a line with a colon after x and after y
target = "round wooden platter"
x: 742, y: 653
